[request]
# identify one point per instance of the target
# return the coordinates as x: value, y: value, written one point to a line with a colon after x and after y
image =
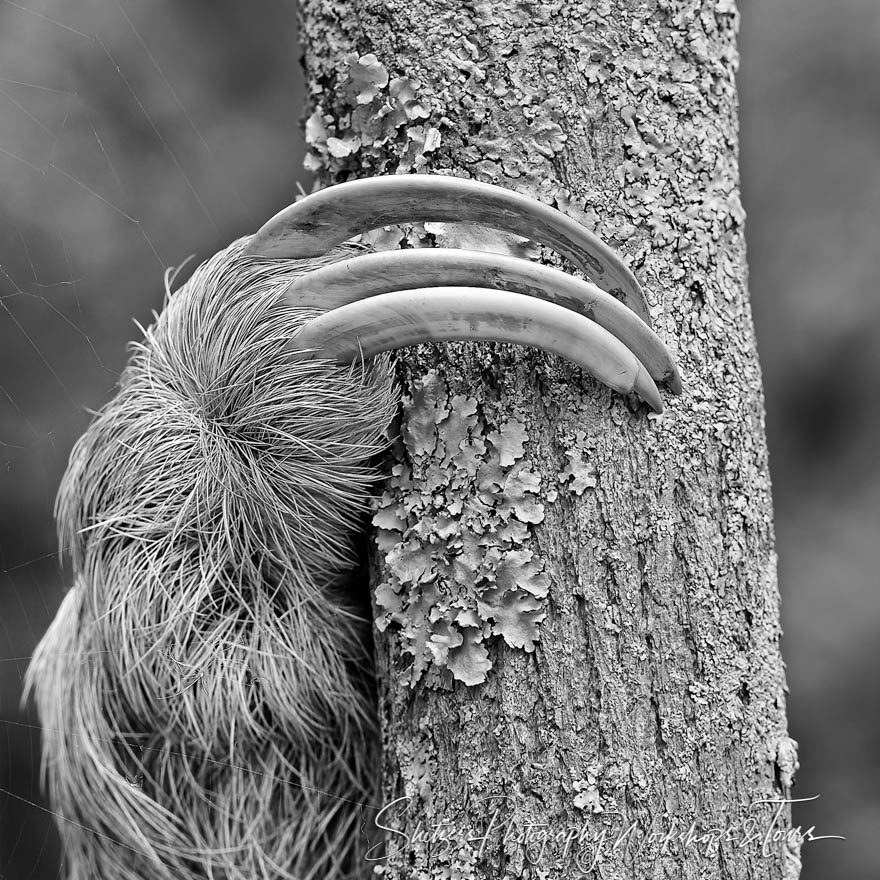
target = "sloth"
x: 206, y: 689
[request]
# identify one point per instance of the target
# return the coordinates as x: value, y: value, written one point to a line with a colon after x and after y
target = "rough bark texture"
x: 578, y: 603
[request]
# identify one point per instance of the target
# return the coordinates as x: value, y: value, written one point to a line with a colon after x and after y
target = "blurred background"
x: 133, y: 134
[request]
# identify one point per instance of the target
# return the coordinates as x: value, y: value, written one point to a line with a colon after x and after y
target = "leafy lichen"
x: 384, y: 122
x: 459, y: 568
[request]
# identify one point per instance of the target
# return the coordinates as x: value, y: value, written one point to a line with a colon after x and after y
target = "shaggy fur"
x: 205, y: 688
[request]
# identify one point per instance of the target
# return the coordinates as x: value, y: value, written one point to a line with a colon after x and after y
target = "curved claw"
x: 315, y: 224
x: 348, y: 281
x: 441, y: 314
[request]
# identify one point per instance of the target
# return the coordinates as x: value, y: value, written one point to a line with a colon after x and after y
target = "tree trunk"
x: 579, y: 616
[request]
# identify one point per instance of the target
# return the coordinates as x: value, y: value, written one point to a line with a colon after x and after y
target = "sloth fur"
x: 206, y: 688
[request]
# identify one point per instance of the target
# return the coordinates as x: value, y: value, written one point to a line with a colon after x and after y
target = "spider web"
x: 133, y: 134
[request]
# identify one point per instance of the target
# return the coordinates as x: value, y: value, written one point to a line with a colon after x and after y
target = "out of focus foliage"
x: 134, y: 134
x: 810, y: 160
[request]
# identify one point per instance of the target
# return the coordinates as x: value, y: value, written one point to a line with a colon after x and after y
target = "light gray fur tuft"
x: 205, y: 687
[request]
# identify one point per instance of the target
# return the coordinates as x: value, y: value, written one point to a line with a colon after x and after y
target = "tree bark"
x: 579, y: 615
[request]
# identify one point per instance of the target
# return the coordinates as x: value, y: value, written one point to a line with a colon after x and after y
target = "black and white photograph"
x: 439, y: 441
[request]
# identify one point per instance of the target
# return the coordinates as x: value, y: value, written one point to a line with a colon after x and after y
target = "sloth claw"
x: 383, y: 301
